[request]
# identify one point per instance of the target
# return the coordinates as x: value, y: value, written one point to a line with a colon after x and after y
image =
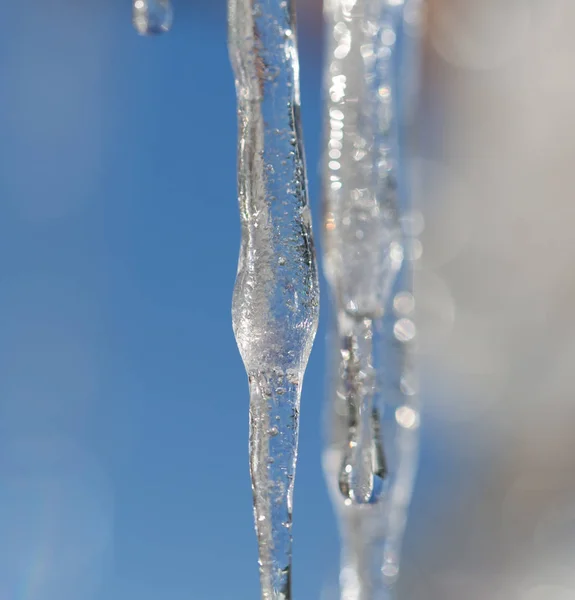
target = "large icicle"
x: 276, y: 297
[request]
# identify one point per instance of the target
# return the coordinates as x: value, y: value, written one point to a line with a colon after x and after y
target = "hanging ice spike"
x: 276, y: 297
x: 363, y: 467
x: 371, y: 533
x: 363, y: 240
x: 152, y: 17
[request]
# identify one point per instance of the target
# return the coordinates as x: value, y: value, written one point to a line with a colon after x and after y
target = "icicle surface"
x: 363, y: 466
x: 276, y: 297
x: 361, y: 229
x: 152, y: 17
x: 364, y: 174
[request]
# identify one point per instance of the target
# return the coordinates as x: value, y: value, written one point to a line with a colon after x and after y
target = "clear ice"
x: 367, y: 95
x: 372, y: 534
x: 362, y: 236
x: 276, y: 297
x: 152, y: 17
x: 363, y: 467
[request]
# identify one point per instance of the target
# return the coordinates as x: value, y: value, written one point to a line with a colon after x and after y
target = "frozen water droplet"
x: 152, y: 17
x: 363, y: 468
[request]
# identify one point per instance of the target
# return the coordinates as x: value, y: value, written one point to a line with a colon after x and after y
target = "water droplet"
x: 363, y: 468
x: 273, y: 431
x: 152, y: 17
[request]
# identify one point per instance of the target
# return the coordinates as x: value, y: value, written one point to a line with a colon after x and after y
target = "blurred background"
x: 123, y: 400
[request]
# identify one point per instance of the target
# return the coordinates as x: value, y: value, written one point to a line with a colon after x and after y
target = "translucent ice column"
x: 362, y: 237
x: 276, y: 297
x: 365, y: 196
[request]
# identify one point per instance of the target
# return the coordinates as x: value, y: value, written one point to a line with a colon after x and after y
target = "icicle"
x: 362, y: 234
x: 361, y: 265
x: 363, y: 467
x: 276, y: 297
x: 372, y: 534
x: 152, y: 17
x: 360, y: 525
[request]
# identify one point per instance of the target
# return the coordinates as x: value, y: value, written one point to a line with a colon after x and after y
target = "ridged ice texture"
x: 276, y: 297
x: 152, y: 17
x: 362, y: 237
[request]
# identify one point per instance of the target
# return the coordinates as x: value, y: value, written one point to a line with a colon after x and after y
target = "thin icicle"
x: 362, y: 234
x: 371, y: 530
x: 276, y: 297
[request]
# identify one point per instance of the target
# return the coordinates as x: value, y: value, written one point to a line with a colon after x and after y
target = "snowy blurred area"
x: 497, y: 332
